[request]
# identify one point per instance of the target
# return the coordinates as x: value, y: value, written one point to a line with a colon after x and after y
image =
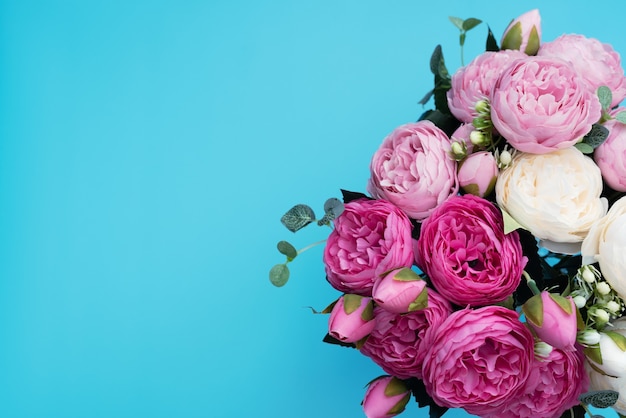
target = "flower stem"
x: 300, y: 251
x: 531, y: 283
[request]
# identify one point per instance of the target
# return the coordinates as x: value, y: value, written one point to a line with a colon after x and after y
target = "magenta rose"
x: 352, y: 318
x: 466, y: 254
x: 610, y: 156
x: 385, y: 397
x: 413, y: 170
x: 478, y: 360
x: 475, y: 81
x: 541, y: 104
x: 370, y: 237
x: 597, y: 63
x: 554, y: 385
x: 398, y: 342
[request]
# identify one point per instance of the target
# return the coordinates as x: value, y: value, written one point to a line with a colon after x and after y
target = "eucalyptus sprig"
x: 464, y: 26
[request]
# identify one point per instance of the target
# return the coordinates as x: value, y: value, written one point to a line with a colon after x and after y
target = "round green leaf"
x: 471, y: 23
x: 605, y: 96
x: 584, y: 148
x: 621, y: 116
x: 287, y: 249
x: 279, y: 274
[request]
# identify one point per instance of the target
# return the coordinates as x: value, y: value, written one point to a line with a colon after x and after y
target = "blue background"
x: 147, y: 152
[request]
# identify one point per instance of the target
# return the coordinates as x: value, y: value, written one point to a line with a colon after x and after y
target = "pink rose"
x: 523, y: 33
x: 554, y: 385
x: 597, y: 63
x: 553, y: 318
x: 412, y: 169
x: 352, y: 318
x: 385, y: 397
x: 478, y: 360
x: 399, y: 342
x: 466, y: 254
x: 541, y: 104
x: 400, y: 291
x: 370, y: 237
x: 475, y: 81
x: 610, y: 156
x: 478, y: 173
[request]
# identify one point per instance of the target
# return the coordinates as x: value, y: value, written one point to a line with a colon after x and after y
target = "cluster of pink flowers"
x: 429, y: 268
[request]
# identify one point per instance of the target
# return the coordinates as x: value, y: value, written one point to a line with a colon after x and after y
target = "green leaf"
x: 621, y: 116
x: 599, y: 398
x: 491, y: 44
x: 456, y: 21
x: 427, y: 97
x: 594, y: 354
x: 462, y: 39
x: 533, y: 42
x: 333, y: 207
x: 406, y: 275
x: 437, y: 64
x: 368, y: 311
x: 395, y: 387
x: 471, y: 23
x: 298, y: 217
x: 399, y: 406
x: 618, y: 339
x: 510, y: 224
x: 584, y: 148
x: 563, y: 303
x: 421, y: 302
x: 279, y: 274
x: 513, y: 37
x: 351, y: 302
x: 287, y: 249
x: 605, y: 96
x: 533, y: 309
x: 332, y: 340
x: 596, y: 136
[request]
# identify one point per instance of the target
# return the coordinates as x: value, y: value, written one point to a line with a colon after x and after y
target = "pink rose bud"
x: 478, y: 173
x: 553, y: 318
x: 524, y: 33
x: 401, y: 291
x: 352, y: 318
x: 385, y: 397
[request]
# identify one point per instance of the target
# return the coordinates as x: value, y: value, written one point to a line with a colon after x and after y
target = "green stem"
x: 531, y: 283
x: 311, y: 246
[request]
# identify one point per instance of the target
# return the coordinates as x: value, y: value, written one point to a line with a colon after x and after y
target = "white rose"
x: 606, y: 244
x: 556, y: 196
x: 613, y: 357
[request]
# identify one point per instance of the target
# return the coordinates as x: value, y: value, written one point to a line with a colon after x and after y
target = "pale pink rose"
x: 400, y: 291
x: 352, y: 318
x: 553, y: 318
x: 554, y: 385
x: 466, y: 254
x: 610, y: 156
x: 475, y: 82
x: 385, y: 397
x: 478, y: 360
x: 478, y: 173
x: 597, y: 63
x: 371, y: 237
x: 413, y: 170
x: 399, y: 342
x: 541, y: 104
x: 523, y: 33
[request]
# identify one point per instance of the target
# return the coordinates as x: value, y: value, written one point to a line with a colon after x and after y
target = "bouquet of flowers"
x: 485, y: 269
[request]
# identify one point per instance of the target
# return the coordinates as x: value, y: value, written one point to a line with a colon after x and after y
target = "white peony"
x: 556, y: 196
x: 606, y: 245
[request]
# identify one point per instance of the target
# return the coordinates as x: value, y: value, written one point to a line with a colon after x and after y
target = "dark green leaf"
x: 287, y: 249
x: 422, y: 398
x: 349, y: 196
x: 428, y: 95
x: 279, y: 274
x: 456, y: 21
x: 332, y: 340
x: 462, y: 39
x: 471, y: 23
x: 596, y: 136
x: 298, y: 217
x: 575, y: 412
x: 436, y: 56
x: 491, y: 44
x: 605, y: 96
x: 444, y: 121
x: 599, y: 398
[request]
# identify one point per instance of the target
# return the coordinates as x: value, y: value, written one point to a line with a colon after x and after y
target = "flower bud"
x: 542, y: 350
x: 478, y: 173
x: 401, y: 291
x: 580, y: 301
x: 458, y: 150
x: 385, y: 397
x: 505, y: 159
x: 600, y: 316
x: 603, y: 288
x: 588, y: 275
x: 483, y: 107
x: 352, y: 318
x: 523, y: 33
x: 479, y: 139
x: 588, y: 337
x: 553, y: 318
x: 613, y: 307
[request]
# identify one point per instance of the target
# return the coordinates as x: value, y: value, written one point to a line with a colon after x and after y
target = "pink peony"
x: 352, y: 318
x: 541, y: 104
x: 399, y: 342
x: 523, y: 33
x: 370, y: 237
x: 478, y: 173
x: 554, y: 385
x: 400, y: 291
x: 553, y: 318
x: 412, y: 169
x: 610, y: 156
x: 463, y: 249
x: 385, y: 397
x: 597, y: 63
x: 478, y: 360
x: 475, y: 81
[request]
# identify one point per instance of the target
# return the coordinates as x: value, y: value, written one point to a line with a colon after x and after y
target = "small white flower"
x: 588, y: 337
x: 603, y: 288
x: 580, y: 301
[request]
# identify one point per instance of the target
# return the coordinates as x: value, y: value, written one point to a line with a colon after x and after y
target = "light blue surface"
x: 147, y: 151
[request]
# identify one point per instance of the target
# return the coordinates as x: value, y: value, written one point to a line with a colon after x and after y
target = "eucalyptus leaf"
x: 298, y: 217
x: 599, y: 398
x: 471, y: 23
x: 456, y: 21
x: 584, y: 148
x: 596, y: 136
x: 621, y: 116
x: 279, y: 274
x: 287, y: 249
x: 333, y: 207
x: 605, y: 96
